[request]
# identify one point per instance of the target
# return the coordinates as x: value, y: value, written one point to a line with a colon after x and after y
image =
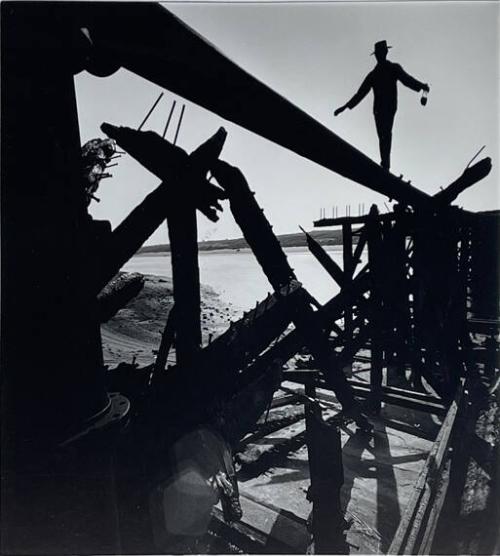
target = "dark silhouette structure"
x: 383, y: 79
x: 89, y: 454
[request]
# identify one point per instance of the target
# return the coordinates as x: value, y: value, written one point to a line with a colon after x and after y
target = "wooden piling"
x: 401, y: 305
x: 396, y: 297
x: 326, y: 471
x: 377, y: 355
x: 348, y: 273
x: 183, y: 233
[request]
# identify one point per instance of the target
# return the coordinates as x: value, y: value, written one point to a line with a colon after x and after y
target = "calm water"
x: 238, y: 278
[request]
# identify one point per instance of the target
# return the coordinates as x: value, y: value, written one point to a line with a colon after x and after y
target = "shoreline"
x: 134, y: 333
x: 325, y: 237
x: 231, y: 250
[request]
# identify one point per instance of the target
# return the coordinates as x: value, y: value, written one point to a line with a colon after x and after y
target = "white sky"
x: 316, y: 55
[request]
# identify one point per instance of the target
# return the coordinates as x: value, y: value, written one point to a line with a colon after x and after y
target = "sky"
x: 316, y: 55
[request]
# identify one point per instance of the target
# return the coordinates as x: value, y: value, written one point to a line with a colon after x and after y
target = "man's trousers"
x: 384, y: 121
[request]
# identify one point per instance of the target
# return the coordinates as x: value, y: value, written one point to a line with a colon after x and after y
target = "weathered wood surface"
x: 117, y: 293
x: 413, y: 520
x: 288, y: 346
x: 469, y: 177
x: 217, y: 367
x: 263, y: 242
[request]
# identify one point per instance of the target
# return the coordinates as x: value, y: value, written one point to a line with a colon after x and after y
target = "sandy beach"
x: 135, y: 331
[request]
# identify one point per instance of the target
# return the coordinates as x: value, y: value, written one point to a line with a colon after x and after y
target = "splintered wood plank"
x: 269, y: 526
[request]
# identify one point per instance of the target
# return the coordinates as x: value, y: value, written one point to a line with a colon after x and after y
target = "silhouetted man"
x: 383, y: 80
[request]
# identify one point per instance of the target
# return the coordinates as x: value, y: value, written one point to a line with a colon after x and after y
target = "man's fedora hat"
x: 380, y: 46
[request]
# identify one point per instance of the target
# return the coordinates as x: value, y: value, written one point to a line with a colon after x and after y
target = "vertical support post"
x: 397, y: 309
x: 348, y: 272
x: 402, y: 307
x: 465, y: 267
x: 437, y: 276
x: 375, y: 260
x: 396, y: 314
x: 415, y: 351
x: 449, y: 324
x: 183, y: 234
x: 62, y: 500
x: 327, y: 477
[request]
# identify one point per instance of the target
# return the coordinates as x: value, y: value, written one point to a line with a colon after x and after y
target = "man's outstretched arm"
x: 409, y: 81
x: 359, y: 96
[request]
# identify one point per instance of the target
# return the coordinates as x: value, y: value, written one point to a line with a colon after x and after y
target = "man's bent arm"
x: 409, y: 81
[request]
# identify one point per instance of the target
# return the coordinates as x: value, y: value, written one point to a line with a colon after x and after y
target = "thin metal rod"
x: 475, y: 156
x: 179, y: 124
x: 150, y: 111
x: 169, y: 118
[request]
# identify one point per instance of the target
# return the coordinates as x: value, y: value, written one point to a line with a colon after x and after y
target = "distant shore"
x: 323, y: 237
x: 134, y: 333
x: 229, y: 251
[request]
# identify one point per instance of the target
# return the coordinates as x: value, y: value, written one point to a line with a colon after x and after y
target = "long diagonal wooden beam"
x: 151, y: 42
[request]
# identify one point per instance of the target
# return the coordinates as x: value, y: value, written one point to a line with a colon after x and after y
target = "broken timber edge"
x: 417, y: 524
x: 280, y: 531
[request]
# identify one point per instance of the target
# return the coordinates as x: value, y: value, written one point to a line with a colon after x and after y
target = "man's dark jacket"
x: 383, y: 80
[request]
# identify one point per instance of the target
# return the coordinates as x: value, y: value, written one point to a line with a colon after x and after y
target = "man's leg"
x: 384, y: 122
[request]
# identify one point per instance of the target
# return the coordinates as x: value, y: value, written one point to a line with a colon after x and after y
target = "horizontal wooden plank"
x: 269, y: 527
x: 407, y: 399
x: 281, y: 401
x: 403, y: 392
x: 323, y: 222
